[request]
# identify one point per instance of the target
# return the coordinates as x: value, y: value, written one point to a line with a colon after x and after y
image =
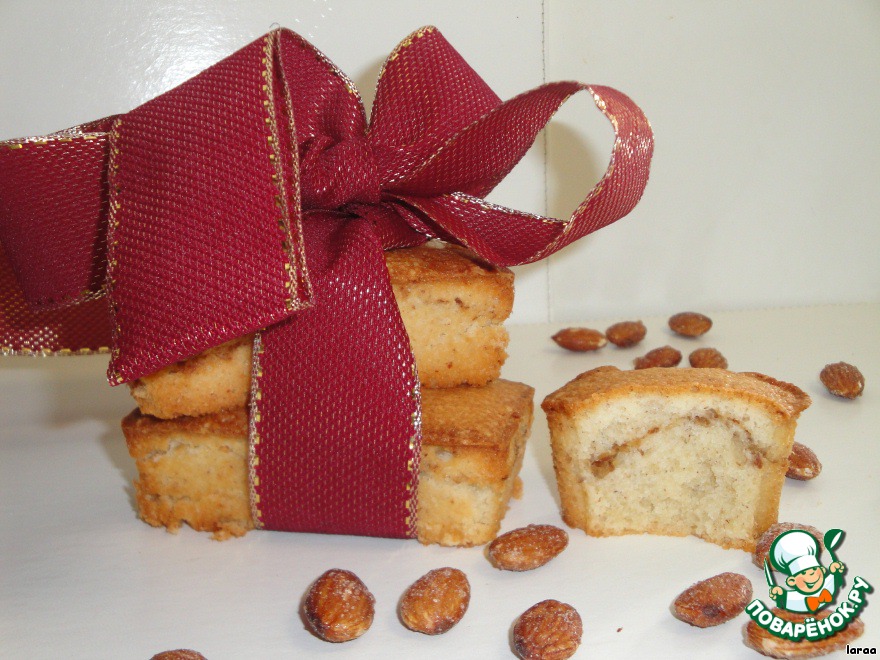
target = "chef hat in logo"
x: 795, y: 551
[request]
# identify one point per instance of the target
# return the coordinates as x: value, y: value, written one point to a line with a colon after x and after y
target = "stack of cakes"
x: 189, y: 435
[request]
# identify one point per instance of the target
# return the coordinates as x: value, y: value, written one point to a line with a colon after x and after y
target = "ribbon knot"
x: 213, y: 211
x: 333, y: 174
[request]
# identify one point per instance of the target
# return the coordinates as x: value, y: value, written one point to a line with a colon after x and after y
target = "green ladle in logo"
x: 832, y: 539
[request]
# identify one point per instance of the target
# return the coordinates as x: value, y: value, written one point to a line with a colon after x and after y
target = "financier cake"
x: 453, y: 305
x: 677, y: 452
x: 194, y: 470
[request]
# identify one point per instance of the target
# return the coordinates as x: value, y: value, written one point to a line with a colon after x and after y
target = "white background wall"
x: 765, y: 188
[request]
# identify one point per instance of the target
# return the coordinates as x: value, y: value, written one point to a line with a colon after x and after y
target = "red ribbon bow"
x: 256, y: 197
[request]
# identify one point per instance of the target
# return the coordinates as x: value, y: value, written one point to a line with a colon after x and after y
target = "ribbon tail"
x: 335, y: 422
x: 509, y: 237
x: 77, y: 329
x: 501, y: 235
x: 53, y: 213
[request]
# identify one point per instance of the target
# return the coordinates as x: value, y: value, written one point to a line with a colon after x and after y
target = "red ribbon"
x: 256, y: 197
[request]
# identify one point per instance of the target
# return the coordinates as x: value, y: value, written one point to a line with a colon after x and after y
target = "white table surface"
x: 82, y: 577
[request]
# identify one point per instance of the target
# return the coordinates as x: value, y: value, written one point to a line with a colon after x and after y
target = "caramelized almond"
x: 707, y: 358
x: 665, y: 356
x: 549, y: 630
x: 527, y: 548
x: 690, y: 324
x: 713, y: 601
x: 803, y: 464
x: 843, y: 380
x: 338, y: 606
x: 766, y: 539
x: 436, y: 601
x: 580, y: 339
x: 626, y: 333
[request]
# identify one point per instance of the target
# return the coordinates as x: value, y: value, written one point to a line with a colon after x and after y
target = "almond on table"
x: 436, y: 601
x: 710, y: 358
x: 803, y: 464
x: 527, y: 548
x: 843, y: 379
x: 665, y: 356
x: 549, y: 630
x: 713, y: 601
x: 338, y: 606
x: 626, y: 333
x: 580, y: 339
x: 690, y: 324
x: 766, y: 539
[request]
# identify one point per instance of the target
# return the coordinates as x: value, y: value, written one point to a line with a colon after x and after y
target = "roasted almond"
x: 766, y: 643
x: 626, y: 333
x: 843, y: 379
x: 527, y: 547
x: 803, y: 464
x: 713, y: 601
x: 766, y: 539
x: 549, y: 630
x: 665, y: 356
x: 338, y: 606
x: 707, y: 358
x: 436, y: 601
x: 690, y: 324
x: 580, y: 339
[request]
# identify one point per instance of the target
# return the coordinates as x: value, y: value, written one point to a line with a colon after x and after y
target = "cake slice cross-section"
x: 675, y: 452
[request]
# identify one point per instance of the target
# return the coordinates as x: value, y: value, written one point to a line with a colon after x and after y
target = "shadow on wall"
x: 574, y: 166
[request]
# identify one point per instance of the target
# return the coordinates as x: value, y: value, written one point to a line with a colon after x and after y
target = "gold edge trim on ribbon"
x: 464, y: 198
x: 114, y: 204
x: 53, y: 352
x: 292, y: 265
x: 414, y: 462
x: 398, y: 50
x: 292, y: 227
x: 69, y: 135
x: 406, y: 43
x: 474, y: 125
x: 253, y: 433
x: 602, y: 105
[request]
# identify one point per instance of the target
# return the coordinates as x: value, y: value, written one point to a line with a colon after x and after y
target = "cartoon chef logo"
x: 809, y: 588
x: 812, y: 586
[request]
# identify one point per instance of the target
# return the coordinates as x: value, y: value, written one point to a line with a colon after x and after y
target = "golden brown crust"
x: 139, y: 427
x: 453, y: 306
x: 434, y: 262
x: 604, y: 383
x: 488, y: 419
x: 217, y: 379
x: 194, y: 469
